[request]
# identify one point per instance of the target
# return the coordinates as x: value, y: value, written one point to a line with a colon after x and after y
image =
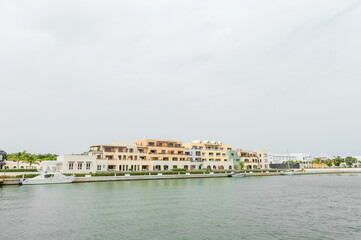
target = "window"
x: 88, y: 165
x: 178, y: 146
x: 131, y: 150
x: 99, y: 167
x: 107, y: 149
x: 120, y: 149
x: 163, y: 151
x: 151, y: 143
x: 71, y: 166
x: 80, y: 166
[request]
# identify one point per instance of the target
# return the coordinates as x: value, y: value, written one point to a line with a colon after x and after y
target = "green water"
x: 279, y: 207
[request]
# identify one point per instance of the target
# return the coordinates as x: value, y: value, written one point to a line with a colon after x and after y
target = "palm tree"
x: 32, y: 159
x: 241, y: 164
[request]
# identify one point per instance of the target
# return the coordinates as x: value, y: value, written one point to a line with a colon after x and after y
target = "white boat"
x: 287, y: 173
x: 47, y: 178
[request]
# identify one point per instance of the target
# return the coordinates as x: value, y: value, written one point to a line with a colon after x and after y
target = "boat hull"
x: 287, y: 173
x: 239, y: 175
x: 40, y: 182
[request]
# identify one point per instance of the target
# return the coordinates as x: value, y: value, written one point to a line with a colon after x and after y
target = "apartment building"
x: 250, y: 159
x: 214, y: 154
x: 122, y: 157
x: 263, y: 158
x: 166, y: 154
x: 234, y: 157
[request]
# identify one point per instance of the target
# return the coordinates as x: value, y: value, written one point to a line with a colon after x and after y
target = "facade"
x: 263, y: 158
x: 305, y: 158
x: 234, y: 157
x: 19, y: 165
x: 166, y: 154
x: 250, y: 159
x: 195, y: 156
x: 75, y: 164
x: 122, y: 157
x: 281, y: 158
x: 214, y: 154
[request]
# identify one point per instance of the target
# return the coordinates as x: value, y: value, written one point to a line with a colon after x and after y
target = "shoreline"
x: 15, y: 181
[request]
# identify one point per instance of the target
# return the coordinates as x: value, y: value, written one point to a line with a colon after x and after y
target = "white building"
x: 280, y: 158
x: 75, y: 164
x: 305, y: 158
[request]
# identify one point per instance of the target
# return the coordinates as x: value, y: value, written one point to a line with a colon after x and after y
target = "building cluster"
x: 164, y: 155
x: 157, y: 155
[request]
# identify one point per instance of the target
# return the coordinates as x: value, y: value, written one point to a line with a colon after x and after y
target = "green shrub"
x: 19, y: 170
x: 179, y: 169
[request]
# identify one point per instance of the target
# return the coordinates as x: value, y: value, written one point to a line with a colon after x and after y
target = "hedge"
x: 19, y: 170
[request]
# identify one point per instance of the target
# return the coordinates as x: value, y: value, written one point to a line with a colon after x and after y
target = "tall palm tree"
x: 32, y: 159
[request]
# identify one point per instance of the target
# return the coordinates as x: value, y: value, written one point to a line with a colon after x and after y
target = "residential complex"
x: 212, y: 154
x: 156, y: 155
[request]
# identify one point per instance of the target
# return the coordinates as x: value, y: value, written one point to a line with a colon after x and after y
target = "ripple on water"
x: 284, y: 207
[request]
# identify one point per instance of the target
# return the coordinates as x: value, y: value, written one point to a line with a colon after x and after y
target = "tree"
x: 241, y: 164
x: 316, y: 161
x: 32, y: 159
x: 337, y: 161
x: 329, y: 162
x: 350, y: 161
x: 200, y: 166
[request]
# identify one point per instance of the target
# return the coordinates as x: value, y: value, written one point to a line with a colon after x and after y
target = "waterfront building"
x: 214, y: 154
x: 234, y: 157
x: 195, y: 156
x: 122, y: 157
x: 10, y: 164
x: 281, y: 158
x: 166, y: 154
x: 250, y: 159
x: 75, y: 163
x: 304, y: 158
x: 263, y: 158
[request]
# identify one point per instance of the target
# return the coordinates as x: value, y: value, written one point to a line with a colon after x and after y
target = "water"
x: 278, y: 207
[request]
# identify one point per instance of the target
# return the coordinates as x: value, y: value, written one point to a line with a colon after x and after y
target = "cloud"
x: 254, y: 74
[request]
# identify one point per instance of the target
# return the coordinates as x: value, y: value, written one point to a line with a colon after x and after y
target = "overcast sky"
x: 279, y: 75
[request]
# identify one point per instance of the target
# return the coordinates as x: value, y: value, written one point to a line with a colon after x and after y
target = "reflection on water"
x: 280, y: 207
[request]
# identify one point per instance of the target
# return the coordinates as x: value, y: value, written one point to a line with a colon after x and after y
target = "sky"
x: 256, y: 74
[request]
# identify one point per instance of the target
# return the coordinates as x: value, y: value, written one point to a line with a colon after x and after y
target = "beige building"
x: 263, y: 158
x: 214, y: 154
x: 122, y: 157
x: 165, y: 154
x: 19, y: 165
x: 250, y: 159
